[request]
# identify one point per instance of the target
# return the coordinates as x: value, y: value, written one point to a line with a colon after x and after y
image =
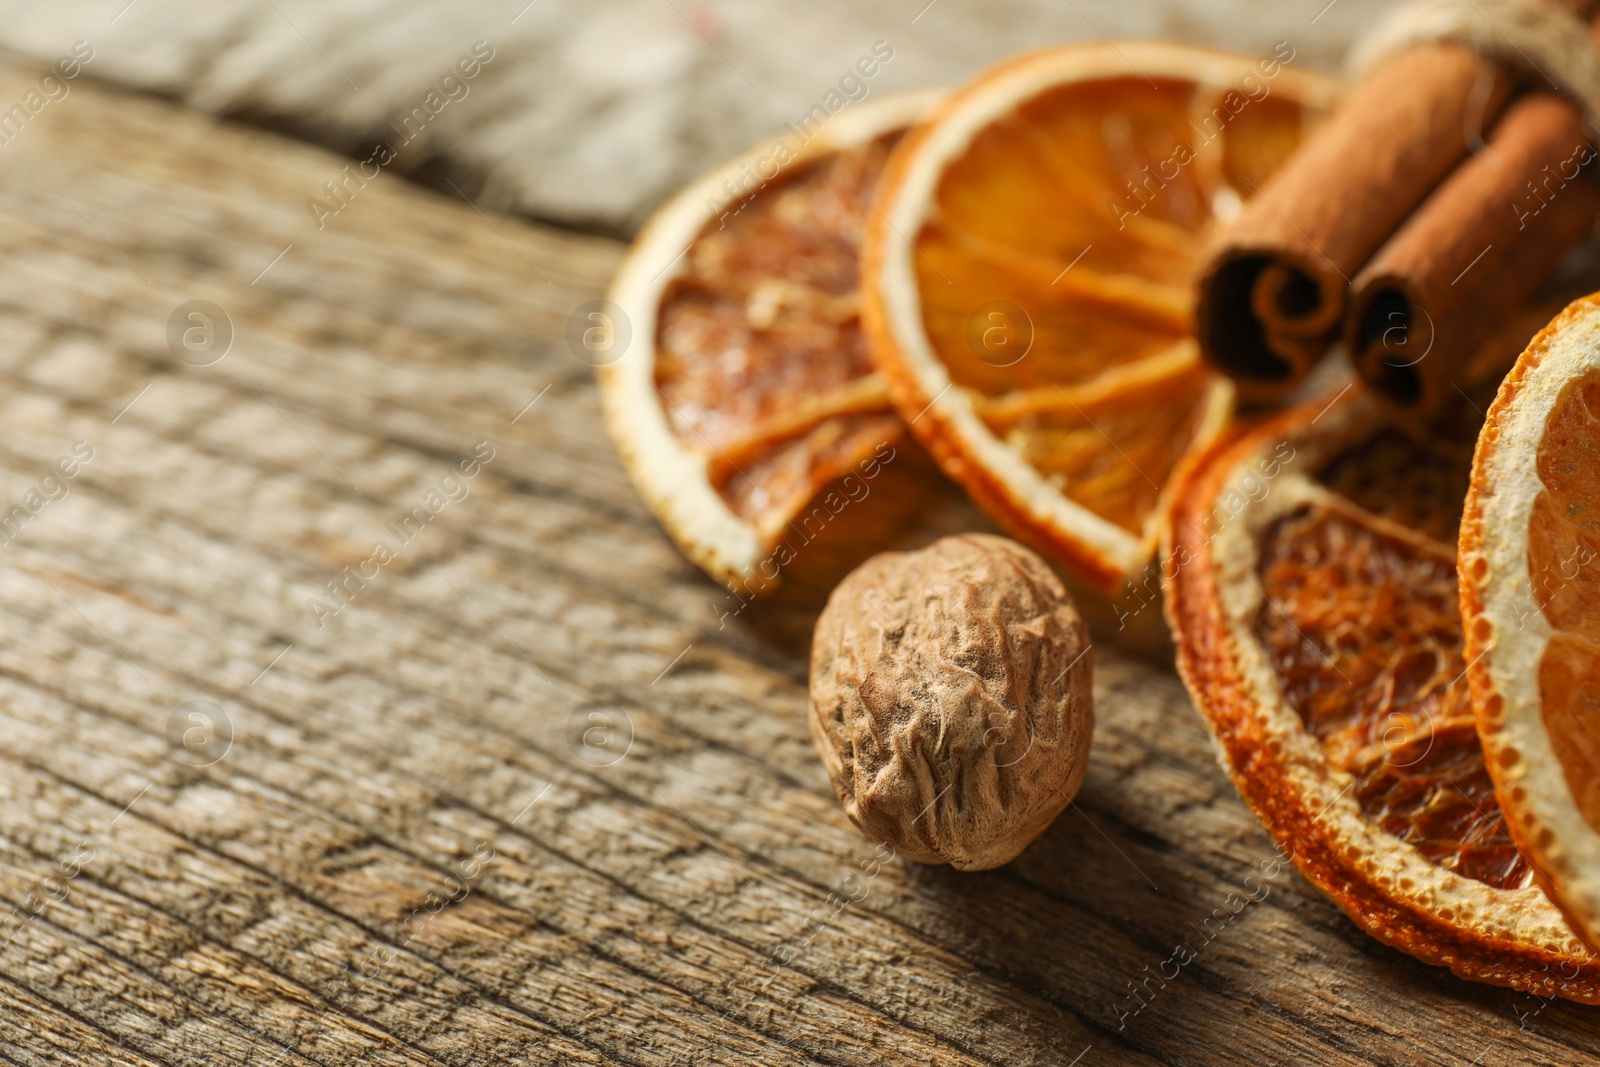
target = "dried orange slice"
x: 747, y: 387
x: 1530, y: 604
x: 1311, y: 589
x: 1028, y: 279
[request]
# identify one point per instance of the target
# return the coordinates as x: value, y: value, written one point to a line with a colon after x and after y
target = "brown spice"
x: 1273, y: 296
x: 951, y: 699
x: 1473, y: 253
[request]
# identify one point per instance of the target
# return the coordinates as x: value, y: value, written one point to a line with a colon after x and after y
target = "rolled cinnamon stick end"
x: 1473, y: 253
x: 1273, y: 294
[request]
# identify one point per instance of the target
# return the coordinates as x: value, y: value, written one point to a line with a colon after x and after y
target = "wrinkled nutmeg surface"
x: 951, y: 699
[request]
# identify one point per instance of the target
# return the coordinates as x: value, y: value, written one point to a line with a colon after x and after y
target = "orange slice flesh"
x: 748, y: 387
x: 1530, y: 591
x: 1311, y: 589
x: 1027, y: 280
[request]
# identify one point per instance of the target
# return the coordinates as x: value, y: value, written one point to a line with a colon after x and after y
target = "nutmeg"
x: 951, y: 699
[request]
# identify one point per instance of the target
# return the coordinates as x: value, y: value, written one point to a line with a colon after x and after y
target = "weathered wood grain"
x: 409, y: 855
x: 592, y: 114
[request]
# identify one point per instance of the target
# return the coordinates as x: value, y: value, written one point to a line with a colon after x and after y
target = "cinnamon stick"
x: 1475, y: 251
x: 1273, y: 295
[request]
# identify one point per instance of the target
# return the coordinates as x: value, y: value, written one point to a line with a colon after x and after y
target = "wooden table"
x: 519, y: 799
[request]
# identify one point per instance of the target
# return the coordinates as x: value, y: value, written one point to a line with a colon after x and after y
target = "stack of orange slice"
x: 1026, y: 286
